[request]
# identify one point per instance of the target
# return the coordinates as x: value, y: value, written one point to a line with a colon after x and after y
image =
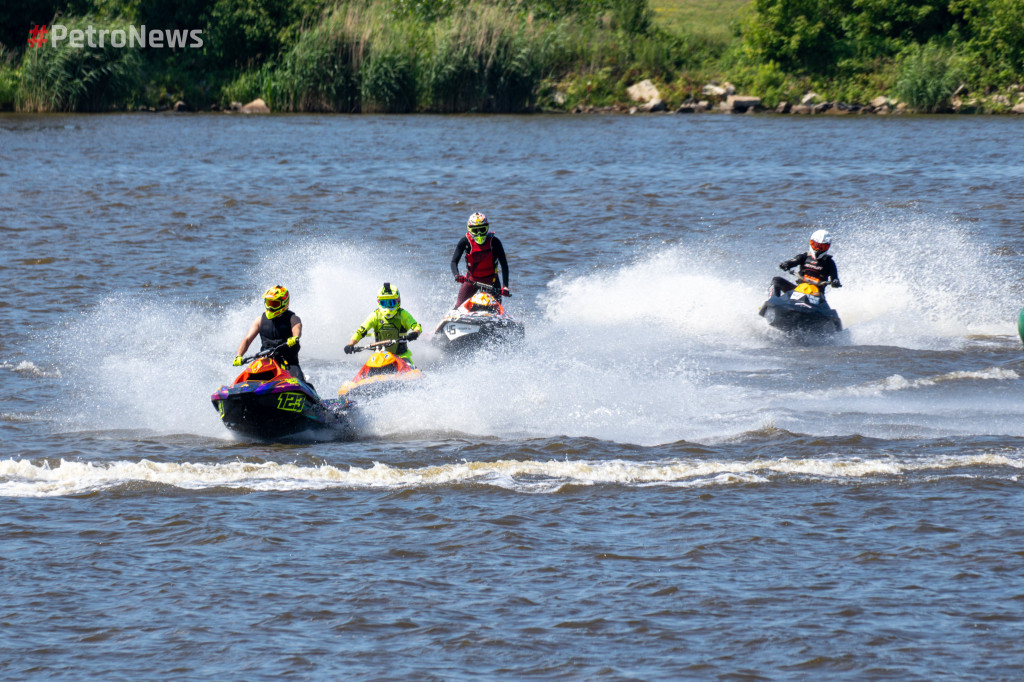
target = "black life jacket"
x: 275, y: 332
x: 816, y: 267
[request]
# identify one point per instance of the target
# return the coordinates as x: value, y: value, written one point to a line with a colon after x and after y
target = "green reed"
x: 376, y: 56
x: 10, y: 78
x: 65, y: 78
x: 927, y: 77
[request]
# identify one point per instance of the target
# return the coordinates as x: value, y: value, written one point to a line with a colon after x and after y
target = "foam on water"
x: 30, y: 369
x: 897, y: 382
x: 23, y: 478
x: 654, y: 350
x: 920, y: 282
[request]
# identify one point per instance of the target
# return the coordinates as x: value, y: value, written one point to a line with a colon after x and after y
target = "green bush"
x: 996, y: 40
x: 247, y: 86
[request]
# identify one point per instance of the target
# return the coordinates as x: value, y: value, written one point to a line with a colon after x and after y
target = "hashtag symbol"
x: 37, y: 36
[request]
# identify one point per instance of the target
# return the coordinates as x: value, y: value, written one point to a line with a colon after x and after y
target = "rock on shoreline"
x: 723, y: 98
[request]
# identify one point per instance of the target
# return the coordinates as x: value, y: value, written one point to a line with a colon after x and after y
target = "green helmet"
x: 389, y: 300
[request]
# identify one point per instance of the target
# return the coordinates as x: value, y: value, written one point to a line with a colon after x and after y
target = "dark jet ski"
x: 804, y: 309
x: 266, y: 402
x: 480, y: 322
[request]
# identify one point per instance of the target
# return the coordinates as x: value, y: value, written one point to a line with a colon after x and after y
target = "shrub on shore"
x: 519, y: 55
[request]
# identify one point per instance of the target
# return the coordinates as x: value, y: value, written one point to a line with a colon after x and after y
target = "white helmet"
x: 820, y: 241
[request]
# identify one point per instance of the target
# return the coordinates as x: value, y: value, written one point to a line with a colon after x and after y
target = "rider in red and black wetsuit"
x: 484, y: 253
x: 814, y: 263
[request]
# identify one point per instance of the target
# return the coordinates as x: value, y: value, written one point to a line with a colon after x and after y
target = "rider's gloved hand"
x: 237, y: 361
x: 836, y: 284
x: 461, y: 279
x: 782, y: 266
x: 292, y: 340
x: 505, y: 291
x: 412, y: 336
x: 350, y: 349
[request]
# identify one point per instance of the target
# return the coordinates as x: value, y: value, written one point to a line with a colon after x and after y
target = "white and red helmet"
x: 820, y: 241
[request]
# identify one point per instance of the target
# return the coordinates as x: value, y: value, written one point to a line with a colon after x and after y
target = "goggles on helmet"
x: 818, y: 246
x: 388, y: 303
x: 272, y: 305
x: 478, y: 230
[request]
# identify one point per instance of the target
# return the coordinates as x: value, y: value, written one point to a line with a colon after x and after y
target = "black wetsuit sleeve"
x: 461, y: 248
x: 793, y: 262
x: 833, y: 271
x: 499, y: 253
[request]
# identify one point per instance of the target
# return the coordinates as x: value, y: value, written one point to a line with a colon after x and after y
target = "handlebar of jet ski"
x: 487, y: 288
x: 378, y: 344
x: 266, y: 352
x: 822, y: 285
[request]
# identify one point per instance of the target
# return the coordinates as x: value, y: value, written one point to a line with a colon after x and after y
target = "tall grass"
x: 376, y: 55
x: 487, y: 59
x: 928, y: 76
x: 10, y: 77
x: 321, y: 72
x: 64, y: 78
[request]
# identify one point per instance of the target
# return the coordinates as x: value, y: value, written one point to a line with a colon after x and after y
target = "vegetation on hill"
x: 514, y: 55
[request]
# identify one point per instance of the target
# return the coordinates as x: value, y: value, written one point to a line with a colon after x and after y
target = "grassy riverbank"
x: 519, y: 55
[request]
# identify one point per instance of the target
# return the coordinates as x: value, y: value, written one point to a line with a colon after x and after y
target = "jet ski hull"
x: 470, y: 333
x: 383, y: 373
x: 801, y: 315
x: 278, y: 410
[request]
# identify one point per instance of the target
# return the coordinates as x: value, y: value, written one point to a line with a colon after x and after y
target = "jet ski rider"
x: 388, y: 322
x: 814, y: 263
x: 275, y: 326
x: 484, y: 253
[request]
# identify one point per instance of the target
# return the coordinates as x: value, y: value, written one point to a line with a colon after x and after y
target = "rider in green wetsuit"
x: 389, y: 321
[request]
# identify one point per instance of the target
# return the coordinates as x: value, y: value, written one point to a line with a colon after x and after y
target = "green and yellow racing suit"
x: 385, y: 329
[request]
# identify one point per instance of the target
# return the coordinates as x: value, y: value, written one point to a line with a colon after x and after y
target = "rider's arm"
x: 410, y: 323
x: 460, y: 249
x: 833, y: 271
x: 253, y: 332
x: 499, y: 253
x: 794, y: 261
x: 364, y: 329
x: 296, y: 326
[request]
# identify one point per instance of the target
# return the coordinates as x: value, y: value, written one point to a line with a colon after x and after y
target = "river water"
x: 656, y: 487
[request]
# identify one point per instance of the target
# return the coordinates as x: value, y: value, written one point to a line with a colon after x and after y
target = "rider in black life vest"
x: 813, y: 263
x: 484, y: 253
x: 275, y: 326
